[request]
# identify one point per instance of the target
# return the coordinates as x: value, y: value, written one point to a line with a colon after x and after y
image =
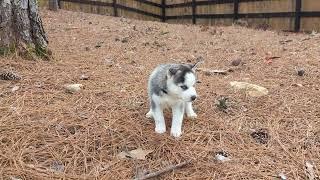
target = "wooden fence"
x: 289, y: 15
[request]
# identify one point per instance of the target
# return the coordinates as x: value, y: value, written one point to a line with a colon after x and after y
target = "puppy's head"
x: 181, y: 82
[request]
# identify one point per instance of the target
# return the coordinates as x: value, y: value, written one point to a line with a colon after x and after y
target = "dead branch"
x: 167, y: 169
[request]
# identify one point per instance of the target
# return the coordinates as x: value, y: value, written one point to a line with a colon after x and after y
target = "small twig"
x: 273, y: 57
x: 209, y: 71
x: 167, y: 169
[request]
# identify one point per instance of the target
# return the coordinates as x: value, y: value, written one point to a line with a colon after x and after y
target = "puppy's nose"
x: 193, y: 98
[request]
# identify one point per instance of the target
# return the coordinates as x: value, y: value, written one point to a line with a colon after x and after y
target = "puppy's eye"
x: 184, y: 87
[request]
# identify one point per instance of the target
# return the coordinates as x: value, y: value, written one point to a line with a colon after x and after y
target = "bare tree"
x: 21, y: 29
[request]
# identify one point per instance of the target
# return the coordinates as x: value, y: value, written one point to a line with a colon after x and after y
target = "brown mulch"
x: 48, y: 133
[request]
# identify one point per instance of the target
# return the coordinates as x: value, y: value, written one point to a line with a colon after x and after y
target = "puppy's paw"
x: 160, y: 130
x: 149, y: 115
x: 176, y: 133
x: 192, y: 115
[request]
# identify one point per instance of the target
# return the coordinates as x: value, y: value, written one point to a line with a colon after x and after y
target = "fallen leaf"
x: 15, y: 88
x: 135, y: 154
x: 57, y: 166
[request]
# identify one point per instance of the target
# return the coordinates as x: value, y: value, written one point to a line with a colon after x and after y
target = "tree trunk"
x: 21, y: 29
x: 53, y: 5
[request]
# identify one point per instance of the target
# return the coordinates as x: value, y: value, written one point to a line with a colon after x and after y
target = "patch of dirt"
x: 48, y: 133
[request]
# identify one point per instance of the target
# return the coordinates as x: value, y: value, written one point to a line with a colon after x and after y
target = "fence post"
x: 297, y: 16
x: 235, y: 9
x: 115, y: 10
x: 194, y: 11
x: 53, y: 5
x: 163, y: 11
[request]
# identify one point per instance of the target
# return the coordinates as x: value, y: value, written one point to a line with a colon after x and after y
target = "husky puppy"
x: 172, y: 86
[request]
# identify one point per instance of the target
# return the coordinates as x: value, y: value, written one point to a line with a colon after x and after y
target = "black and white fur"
x: 172, y: 86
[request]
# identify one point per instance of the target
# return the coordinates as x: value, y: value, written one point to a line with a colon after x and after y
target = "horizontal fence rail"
x: 297, y: 14
x: 118, y: 6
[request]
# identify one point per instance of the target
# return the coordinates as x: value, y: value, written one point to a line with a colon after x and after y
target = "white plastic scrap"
x: 282, y: 176
x: 310, y: 171
x: 222, y: 158
x: 15, y: 88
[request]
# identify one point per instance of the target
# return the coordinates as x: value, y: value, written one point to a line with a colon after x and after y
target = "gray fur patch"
x: 179, y: 77
x: 158, y: 80
x: 153, y: 104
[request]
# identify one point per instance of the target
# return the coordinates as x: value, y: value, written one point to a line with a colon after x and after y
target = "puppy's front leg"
x: 189, y: 111
x: 177, y: 119
x: 157, y: 113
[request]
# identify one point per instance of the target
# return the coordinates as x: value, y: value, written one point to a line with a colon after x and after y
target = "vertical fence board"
x: 310, y: 24
x: 268, y: 6
x: 310, y: 5
x: 216, y: 9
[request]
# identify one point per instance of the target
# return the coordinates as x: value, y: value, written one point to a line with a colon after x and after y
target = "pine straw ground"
x: 47, y: 133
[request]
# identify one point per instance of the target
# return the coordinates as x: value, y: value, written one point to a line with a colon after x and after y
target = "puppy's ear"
x: 172, y: 71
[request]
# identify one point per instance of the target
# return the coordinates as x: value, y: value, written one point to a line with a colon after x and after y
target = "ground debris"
x: 135, y: 154
x: 167, y: 169
x: 84, y: 77
x: 209, y: 72
x: 73, y: 88
x: 222, y: 103
x: 300, y: 71
x: 252, y: 89
x: 261, y: 136
x: 282, y: 176
x: 236, y: 62
x: 222, y: 156
x: 310, y: 171
x: 9, y: 75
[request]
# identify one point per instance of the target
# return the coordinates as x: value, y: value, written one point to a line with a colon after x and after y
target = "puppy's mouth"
x: 187, y: 100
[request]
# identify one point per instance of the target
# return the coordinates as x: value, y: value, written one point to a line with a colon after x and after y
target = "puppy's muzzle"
x: 193, y: 98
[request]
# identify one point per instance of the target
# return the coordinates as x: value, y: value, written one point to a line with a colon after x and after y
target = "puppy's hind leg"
x: 177, y: 119
x: 189, y: 111
x: 157, y: 114
x: 149, y: 114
